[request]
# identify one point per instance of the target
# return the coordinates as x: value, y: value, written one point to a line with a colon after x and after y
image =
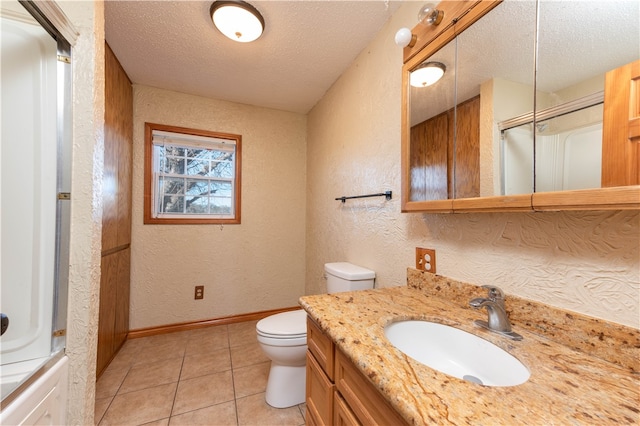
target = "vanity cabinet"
x: 337, y: 392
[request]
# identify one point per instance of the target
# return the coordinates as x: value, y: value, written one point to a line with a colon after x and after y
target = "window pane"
x: 220, y: 205
x: 222, y: 155
x: 174, y: 150
x: 171, y: 185
x: 174, y: 166
x: 198, y: 153
x: 173, y: 204
x: 222, y: 169
x: 162, y: 158
x: 221, y: 189
x: 197, y: 187
x: 198, y: 167
x: 197, y: 205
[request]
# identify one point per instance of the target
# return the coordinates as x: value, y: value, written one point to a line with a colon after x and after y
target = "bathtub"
x: 40, y: 397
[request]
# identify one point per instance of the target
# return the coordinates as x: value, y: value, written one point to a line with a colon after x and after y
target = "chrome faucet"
x: 498, y: 321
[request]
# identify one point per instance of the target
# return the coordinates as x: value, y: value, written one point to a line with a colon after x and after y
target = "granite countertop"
x: 567, y: 386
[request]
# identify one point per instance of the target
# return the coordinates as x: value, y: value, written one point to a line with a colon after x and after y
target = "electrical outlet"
x: 426, y: 259
x: 199, y: 294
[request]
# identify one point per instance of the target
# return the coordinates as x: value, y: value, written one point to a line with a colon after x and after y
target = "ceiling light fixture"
x: 237, y: 20
x: 427, y: 74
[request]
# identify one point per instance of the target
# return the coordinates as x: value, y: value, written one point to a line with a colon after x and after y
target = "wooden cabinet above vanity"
x: 561, y: 138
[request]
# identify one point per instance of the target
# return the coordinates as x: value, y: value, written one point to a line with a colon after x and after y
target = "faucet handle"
x: 495, y: 293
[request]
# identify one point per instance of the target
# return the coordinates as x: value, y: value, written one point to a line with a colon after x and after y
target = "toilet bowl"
x: 283, y: 337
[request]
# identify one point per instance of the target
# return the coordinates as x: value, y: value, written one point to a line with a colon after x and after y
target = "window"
x: 191, y: 176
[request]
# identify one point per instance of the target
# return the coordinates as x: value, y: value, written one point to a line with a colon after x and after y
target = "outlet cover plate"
x: 426, y: 259
x: 199, y: 292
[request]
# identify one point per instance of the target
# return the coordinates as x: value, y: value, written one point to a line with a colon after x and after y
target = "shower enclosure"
x: 35, y: 162
x: 562, y: 151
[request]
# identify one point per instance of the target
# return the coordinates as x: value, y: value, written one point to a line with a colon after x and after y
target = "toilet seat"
x: 291, y: 325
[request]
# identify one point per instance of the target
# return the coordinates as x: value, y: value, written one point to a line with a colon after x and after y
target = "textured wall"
x: 250, y: 267
x: 583, y: 261
x: 86, y: 206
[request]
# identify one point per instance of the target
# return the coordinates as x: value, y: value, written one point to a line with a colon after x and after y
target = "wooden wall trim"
x: 184, y: 326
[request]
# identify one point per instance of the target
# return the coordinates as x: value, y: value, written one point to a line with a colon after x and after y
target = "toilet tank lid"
x: 349, y: 271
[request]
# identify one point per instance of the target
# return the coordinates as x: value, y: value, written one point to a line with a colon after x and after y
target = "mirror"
x: 474, y: 133
x: 570, y: 86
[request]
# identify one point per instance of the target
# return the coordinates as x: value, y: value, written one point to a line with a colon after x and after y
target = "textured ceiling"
x: 305, y: 47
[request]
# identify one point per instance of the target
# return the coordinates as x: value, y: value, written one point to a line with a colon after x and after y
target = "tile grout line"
x: 233, y: 378
x: 175, y: 395
x: 113, y: 397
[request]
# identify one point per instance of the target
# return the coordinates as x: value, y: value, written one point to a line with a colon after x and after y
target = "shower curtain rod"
x: 553, y: 112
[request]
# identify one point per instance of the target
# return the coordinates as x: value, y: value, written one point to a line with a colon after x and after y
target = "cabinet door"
x: 319, y: 394
x: 121, y: 327
x: 321, y: 347
x: 118, y: 139
x: 621, y: 126
x: 363, y: 398
x: 343, y: 416
x: 107, y: 315
x: 113, y: 323
x: 467, y: 149
x: 430, y: 142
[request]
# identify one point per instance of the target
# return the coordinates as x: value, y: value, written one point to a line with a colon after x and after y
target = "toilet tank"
x: 344, y: 276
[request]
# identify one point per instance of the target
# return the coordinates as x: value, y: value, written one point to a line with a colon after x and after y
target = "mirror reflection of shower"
x: 566, y: 153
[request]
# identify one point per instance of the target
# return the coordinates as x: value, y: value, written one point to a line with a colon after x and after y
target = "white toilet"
x: 283, y: 337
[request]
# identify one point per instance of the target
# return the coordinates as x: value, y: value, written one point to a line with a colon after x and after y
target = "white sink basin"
x: 456, y: 353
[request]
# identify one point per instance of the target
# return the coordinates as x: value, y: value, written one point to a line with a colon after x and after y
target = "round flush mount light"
x: 237, y: 20
x: 427, y: 74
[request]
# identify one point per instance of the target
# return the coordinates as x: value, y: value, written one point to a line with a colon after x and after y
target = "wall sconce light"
x: 427, y: 74
x: 237, y: 20
x: 404, y: 38
x: 428, y: 15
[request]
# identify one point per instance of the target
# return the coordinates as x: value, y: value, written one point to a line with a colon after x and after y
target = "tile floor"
x: 209, y: 376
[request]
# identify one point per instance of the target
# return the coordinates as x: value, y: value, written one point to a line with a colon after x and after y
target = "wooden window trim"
x: 148, y: 176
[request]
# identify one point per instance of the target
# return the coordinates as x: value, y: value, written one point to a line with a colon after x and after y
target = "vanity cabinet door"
x: 321, y: 347
x: 320, y: 387
x: 343, y: 416
x: 366, y: 403
x: 320, y: 392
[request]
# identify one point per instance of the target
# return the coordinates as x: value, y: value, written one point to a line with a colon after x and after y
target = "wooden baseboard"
x: 184, y: 326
